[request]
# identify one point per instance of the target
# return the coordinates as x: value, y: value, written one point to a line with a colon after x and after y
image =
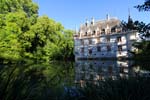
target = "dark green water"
x: 62, y: 80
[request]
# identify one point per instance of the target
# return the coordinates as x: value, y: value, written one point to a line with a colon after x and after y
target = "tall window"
x: 94, y: 32
x: 99, y: 48
x: 90, y: 41
x: 119, y: 39
x: 98, y: 40
x: 108, y: 39
x: 90, y: 51
x: 98, y: 32
x: 119, y: 49
x: 108, y: 31
x: 89, y: 33
x: 85, y: 34
x: 113, y: 30
x: 103, y: 31
x: 82, y: 50
x: 86, y: 24
x: 82, y: 42
x: 108, y: 48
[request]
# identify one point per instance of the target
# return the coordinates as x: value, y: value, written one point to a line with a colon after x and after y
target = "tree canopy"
x: 25, y: 35
x: 144, y: 7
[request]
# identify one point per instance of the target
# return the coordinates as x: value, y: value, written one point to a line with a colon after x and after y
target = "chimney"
x: 92, y: 21
x: 107, y: 16
x: 86, y: 23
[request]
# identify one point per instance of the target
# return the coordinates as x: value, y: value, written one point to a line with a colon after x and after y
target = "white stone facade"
x: 104, y: 39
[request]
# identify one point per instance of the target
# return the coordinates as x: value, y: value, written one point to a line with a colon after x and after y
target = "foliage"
x: 141, y: 27
x: 27, y: 6
x: 143, y: 49
x: 144, y: 7
x: 67, y: 45
x: 24, y: 35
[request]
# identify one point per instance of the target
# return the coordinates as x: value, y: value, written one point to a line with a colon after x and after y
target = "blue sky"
x: 72, y: 13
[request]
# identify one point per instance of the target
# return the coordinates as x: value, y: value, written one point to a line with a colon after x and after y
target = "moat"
x: 65, y: 80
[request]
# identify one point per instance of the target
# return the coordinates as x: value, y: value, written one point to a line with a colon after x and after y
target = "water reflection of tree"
x: 36, y: 82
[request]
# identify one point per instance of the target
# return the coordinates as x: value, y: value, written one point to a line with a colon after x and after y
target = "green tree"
x: 42, y: 38
x: 143, y: 50
x: 9, y: 33
x: 27, y: 6
x: 24, y: 35
x: 68, y: 46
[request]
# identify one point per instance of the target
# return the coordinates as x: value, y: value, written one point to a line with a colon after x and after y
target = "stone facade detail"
x: 104, y: 39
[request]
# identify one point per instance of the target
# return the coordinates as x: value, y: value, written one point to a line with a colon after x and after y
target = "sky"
x: 73, y: 13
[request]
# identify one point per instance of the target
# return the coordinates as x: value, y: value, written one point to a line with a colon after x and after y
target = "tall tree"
x: 23, y: 34
x: 27, y: 6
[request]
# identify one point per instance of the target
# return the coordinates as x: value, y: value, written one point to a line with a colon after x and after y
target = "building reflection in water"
x: 94, y: 71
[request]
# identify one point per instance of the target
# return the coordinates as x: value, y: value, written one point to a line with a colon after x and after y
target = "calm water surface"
x: 55, y: 80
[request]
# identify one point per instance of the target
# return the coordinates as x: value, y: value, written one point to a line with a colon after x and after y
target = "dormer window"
x: 92, y: 21
x: 86, y: 24
x: 113, y: 30
x: 119, y: 39
x: 98, y: 32
x: 103, y: 31
x: 93, y: 33
x: 85, y: 34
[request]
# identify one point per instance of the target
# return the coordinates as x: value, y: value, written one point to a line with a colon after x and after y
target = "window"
x: 82, y: 42
x: 86, y: 24
x: 98, y: 48
x: 89, y: 33
x: 113, y: 30
x: 85, y: 34
x: 90, y: 41
x: 98, y: 40
x: 108, y: 31
x: 103, y: 31
x: 108, y: 48
x: 108, y: 39
x: 93, y: 32
x: 119, y: 39
x: 120, y: 48
x: 119, y: 30
x: 90, y: 51
x: 82, y: 50
x: 98, y: 32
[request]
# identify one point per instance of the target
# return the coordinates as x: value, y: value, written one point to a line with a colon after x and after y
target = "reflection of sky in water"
x: 93, y: 71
